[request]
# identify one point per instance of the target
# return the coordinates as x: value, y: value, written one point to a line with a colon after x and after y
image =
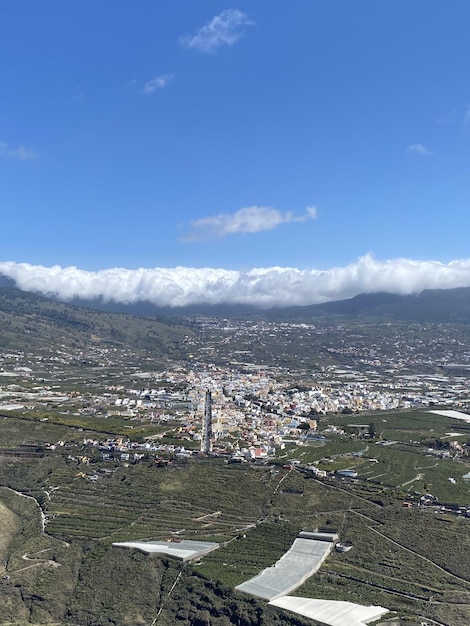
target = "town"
x: 313, y: 431
x: 257, y: 410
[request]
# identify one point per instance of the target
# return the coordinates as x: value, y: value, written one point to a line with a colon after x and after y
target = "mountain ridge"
x: 437, y: 305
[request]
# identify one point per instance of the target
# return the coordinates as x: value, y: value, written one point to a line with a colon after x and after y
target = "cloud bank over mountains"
x: 262, y: 287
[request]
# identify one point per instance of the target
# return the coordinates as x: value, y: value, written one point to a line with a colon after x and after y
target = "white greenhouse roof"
x: 331, y: 612
x: 302, y: 560
x: 458, y: 415
x: 185, y: 550
x: 11, y: 407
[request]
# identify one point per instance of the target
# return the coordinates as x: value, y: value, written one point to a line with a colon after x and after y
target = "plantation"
x: 72, y: 574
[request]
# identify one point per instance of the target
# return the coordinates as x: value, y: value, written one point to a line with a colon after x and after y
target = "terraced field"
x: 254, y: 512
x: 147, y: 502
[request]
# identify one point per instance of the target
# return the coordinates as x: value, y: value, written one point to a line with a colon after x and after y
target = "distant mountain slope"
x: 147, y: 309
x: 437, y: 305
x: 29, y: 322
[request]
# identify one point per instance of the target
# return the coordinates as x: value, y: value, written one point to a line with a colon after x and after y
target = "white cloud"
x: 418, y: 148
x: 224, y: 29
x: 20, y: 153
x: 252, y: 219
x: 264, y: 287
x: 159, y: 82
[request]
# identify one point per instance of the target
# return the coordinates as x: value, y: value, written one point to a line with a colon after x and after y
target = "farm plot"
x: 143, y: 501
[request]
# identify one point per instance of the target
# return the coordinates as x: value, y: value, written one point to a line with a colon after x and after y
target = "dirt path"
x: 23, y: 495
x: 408, y: 482
x: 424, y: 558
x: 41, y: 514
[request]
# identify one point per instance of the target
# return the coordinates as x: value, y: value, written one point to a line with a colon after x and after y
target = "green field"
x: 72, y: 574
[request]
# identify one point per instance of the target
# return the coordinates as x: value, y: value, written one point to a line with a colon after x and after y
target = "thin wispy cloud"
x: 418, y: 148
x: 224, y: 29
x: 263, y: 287
x: 456, y: 116
x: 450, y: 118
x: 20, y: 153
x: 466, y: 117
x: 159, y: 82
x: 253, y: 219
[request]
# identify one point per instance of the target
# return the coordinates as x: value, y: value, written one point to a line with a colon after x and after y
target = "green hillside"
x: 72, y: 575
x: 34, y: 323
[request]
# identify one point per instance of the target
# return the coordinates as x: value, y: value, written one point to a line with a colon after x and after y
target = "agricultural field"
x: 69, y: 573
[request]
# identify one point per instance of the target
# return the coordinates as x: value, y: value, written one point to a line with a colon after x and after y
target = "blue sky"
x: 324, y: 136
